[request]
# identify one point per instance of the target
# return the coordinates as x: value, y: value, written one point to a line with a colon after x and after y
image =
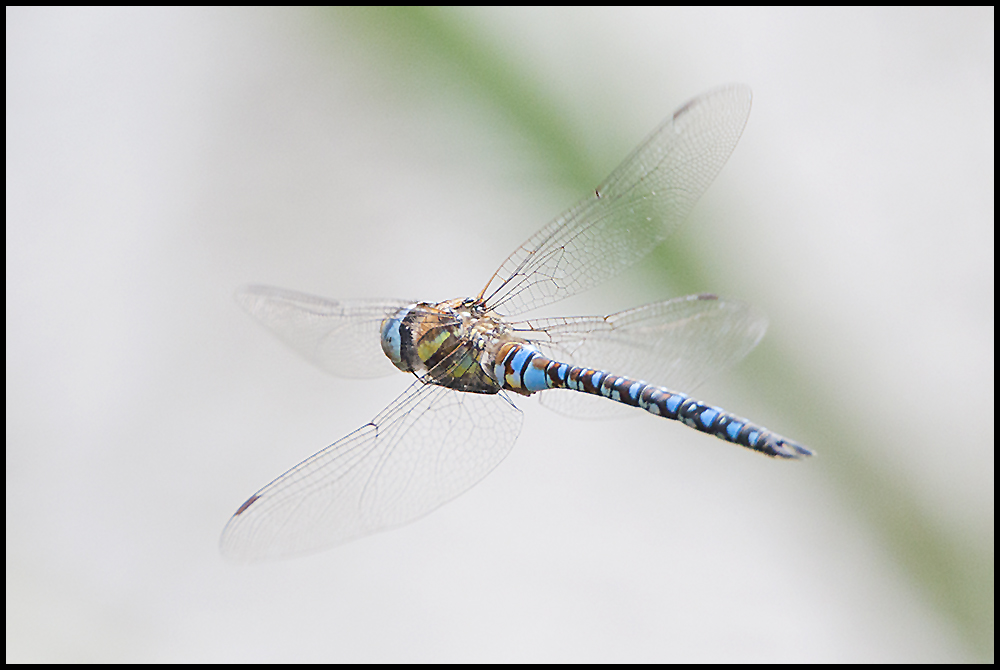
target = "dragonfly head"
x: 395, y: 331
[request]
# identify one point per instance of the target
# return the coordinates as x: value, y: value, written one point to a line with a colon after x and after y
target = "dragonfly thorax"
x: 451, y: 343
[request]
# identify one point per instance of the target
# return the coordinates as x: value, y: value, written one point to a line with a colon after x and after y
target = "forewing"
x: 640, y: 204
x: 430, y: 445
x: 340, y: 336
x: 677, y: 343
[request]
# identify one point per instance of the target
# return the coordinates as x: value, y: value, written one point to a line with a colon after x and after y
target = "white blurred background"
x: 157, y: 159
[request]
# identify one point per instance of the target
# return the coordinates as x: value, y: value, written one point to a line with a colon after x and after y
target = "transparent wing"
x: 677, y: 343
x: 430, y: 445
x: 642, y: 202
x: 341, y: 337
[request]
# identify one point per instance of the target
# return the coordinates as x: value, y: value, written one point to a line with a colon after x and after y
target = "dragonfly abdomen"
x: 524, y: 370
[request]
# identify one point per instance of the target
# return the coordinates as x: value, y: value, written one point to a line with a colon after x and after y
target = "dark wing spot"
x: 243, y: 508
x: 684, y: 110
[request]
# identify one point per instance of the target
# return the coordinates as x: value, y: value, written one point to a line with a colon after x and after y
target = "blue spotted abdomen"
x: 524, y: 370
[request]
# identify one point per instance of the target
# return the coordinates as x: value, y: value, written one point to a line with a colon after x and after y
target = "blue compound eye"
x: 392, y: 339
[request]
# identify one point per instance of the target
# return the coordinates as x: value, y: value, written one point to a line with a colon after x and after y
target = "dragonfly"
x: 470, y: 356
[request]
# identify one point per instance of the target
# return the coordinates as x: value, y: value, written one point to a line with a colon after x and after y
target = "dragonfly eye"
x: 394, y: 331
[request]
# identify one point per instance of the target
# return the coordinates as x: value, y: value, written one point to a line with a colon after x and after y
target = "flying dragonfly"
x: 471, y: 355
